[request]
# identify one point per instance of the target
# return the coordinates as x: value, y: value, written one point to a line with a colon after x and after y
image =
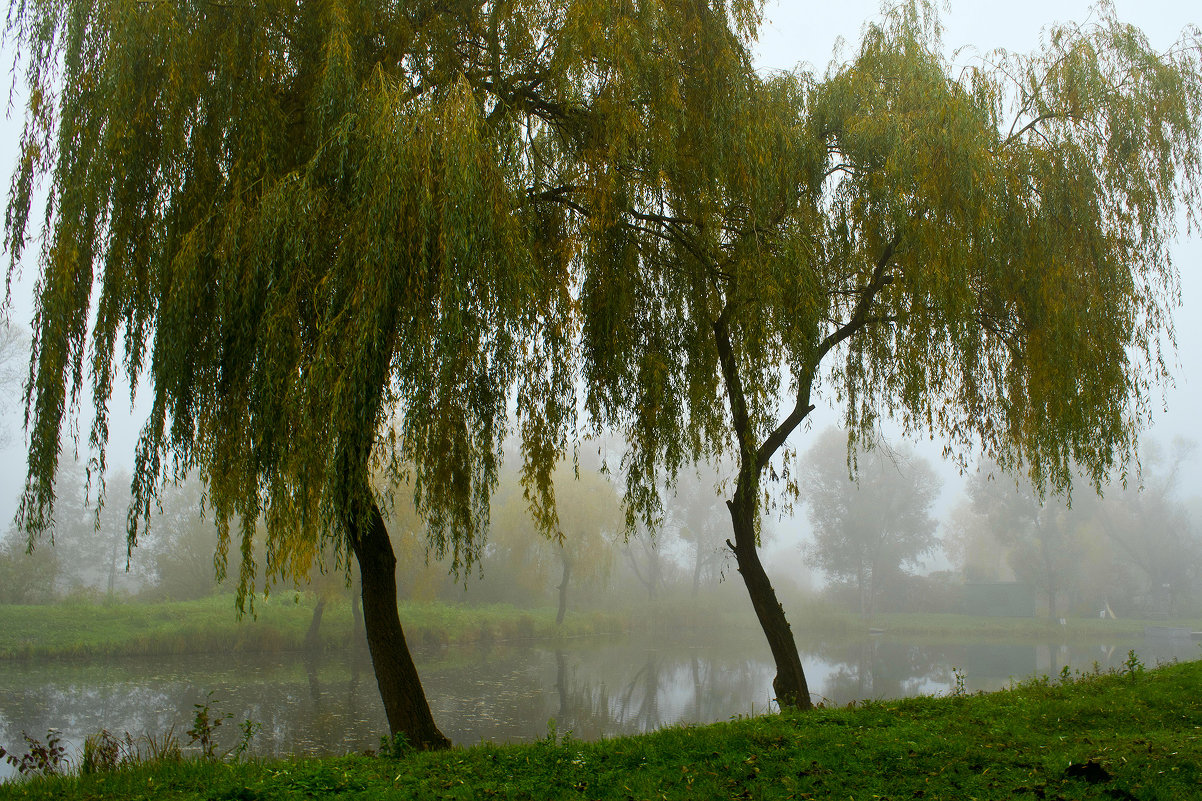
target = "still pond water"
x: 599, y: 687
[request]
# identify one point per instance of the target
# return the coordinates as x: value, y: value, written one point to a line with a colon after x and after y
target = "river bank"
x: 82, y: 630
x: 211, y: 625
x: 1134, y: 733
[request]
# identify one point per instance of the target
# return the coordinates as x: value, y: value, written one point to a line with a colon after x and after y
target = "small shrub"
x: 204, y: 727
x: 958, y: 687
x: 248, y: 729
x: 1133, y: 666
x: 41, y: 759
x: 103, y: 752
x: 395, y: 747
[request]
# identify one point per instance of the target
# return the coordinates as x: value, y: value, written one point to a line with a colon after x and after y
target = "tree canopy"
x: 308, y: 223
x: 334, y: 238
x: 980, y: 254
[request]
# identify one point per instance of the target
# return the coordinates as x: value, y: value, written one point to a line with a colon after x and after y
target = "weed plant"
x: 40, y: 759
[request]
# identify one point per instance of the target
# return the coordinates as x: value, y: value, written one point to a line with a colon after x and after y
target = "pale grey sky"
x: 807, y: 32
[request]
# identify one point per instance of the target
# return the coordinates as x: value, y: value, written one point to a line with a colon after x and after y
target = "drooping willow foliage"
x: 331, y: 238
x: 980, y: 253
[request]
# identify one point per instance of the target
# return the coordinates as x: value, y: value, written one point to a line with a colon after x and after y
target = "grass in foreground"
x: 1131, y: 736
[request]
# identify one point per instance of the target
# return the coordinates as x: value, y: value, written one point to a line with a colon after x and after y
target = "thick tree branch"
x: 732, y: 379
x: 1030, y: 125
x: 859, y: 319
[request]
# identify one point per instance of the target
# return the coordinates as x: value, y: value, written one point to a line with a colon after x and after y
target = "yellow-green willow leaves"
x: 313, y: 223
x: 335, y: 239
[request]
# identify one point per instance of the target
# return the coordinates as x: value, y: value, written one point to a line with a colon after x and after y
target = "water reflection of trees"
x: 876, y: 668
x: 328, y: 704
x: 657, y: 688
x: 595, y: 690
x: 298, y: 704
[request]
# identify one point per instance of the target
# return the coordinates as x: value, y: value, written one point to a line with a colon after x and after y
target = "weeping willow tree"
x: 979, y: 253
x: 332, y: 240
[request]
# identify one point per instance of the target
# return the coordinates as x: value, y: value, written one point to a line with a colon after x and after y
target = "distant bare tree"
x: 1043, y: 542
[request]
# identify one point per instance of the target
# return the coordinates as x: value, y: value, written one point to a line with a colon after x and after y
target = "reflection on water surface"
x: 329, y: 704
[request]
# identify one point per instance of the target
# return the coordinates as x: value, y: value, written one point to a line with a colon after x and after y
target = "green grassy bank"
x: 81, y: 630
x: 1131, y: 736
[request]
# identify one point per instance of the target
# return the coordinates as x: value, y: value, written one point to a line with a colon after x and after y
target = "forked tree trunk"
x: 790, y: 682
x: 400, y: 688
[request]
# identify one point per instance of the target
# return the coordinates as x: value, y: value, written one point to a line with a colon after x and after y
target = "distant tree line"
x: 1134, y: 550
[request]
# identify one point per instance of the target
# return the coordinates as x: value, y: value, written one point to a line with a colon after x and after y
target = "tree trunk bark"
x: 563, y: 588
x: 860, y: 592
x: 356, y: 612
x: 400, y: 688
x: 790, y: 682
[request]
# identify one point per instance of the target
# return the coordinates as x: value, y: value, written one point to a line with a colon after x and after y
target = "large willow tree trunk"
x: 790, y: 682
x: 400, y: 688
x: 356, y: 611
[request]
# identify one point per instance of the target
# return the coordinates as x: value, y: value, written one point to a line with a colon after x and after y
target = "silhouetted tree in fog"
x: 579, y: 554
x: 1042, y: 543
x: 1152, y: 529
x: 869, y: 528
